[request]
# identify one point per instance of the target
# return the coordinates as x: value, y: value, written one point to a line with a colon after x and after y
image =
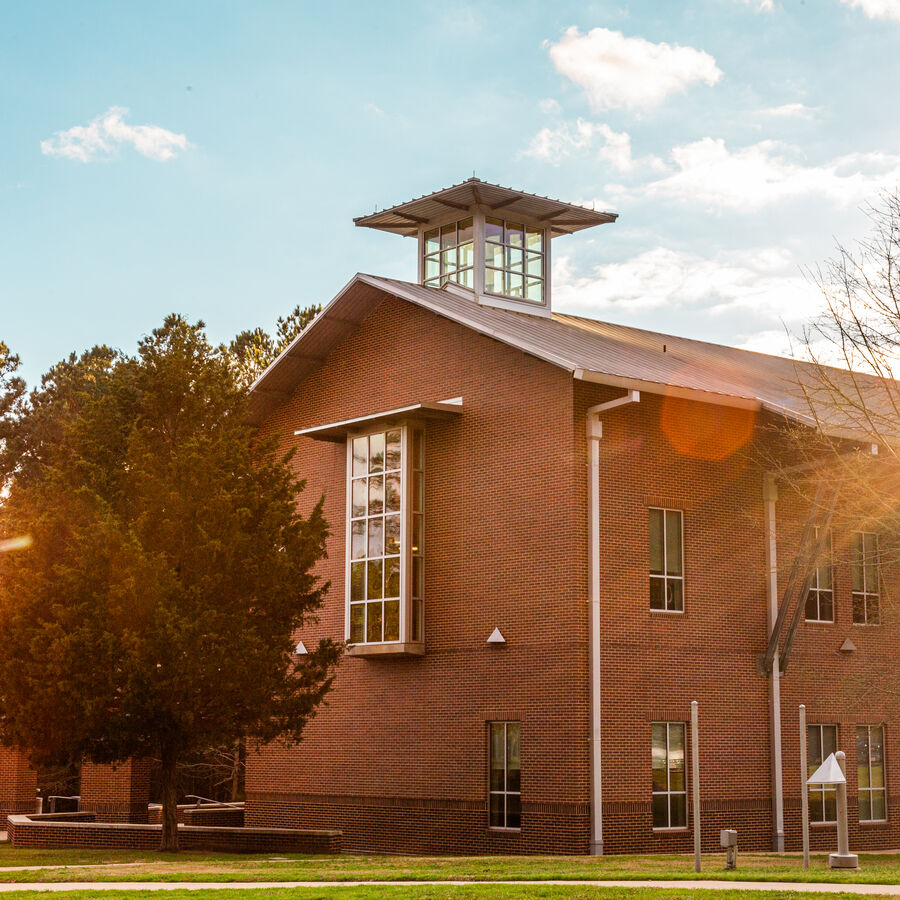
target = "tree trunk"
x: 169, y: 802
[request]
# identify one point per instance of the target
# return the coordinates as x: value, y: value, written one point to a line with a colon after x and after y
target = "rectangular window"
x: 505, y: 775
x: 666, y: 560
x: 450, y: 254
x: 383, y: 515
x: 821, y: 743
x: 513, y: 260
x: 820, y: 599
x: 870, y: 773
x: 864, y: 578
x: 669, y: 785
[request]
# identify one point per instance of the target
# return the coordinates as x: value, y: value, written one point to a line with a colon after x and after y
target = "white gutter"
x: 594, y: 433
x: 770, y: 496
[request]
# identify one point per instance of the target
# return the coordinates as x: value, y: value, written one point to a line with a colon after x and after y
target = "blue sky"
x: 222, y: 149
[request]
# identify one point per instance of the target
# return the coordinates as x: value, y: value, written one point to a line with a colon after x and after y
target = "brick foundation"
x: 51, y: 832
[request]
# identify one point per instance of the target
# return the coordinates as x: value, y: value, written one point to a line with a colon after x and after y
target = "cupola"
x: 490, y: 241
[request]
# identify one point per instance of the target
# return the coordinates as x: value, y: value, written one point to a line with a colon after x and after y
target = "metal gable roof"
x: 562, y: 218
x: 594, y: 351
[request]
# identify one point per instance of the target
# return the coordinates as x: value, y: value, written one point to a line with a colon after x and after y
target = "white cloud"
x: 764, y: 284
x: 555, y: 144
x: 549, y: 106
x: 708, y: 174
x: 761, y: 5
x: 617, y: 71
x: 790, y: 110
x: 102, y: 137
x: 877, y: 9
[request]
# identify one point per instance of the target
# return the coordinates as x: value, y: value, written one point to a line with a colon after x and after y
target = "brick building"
x: 549, y: 536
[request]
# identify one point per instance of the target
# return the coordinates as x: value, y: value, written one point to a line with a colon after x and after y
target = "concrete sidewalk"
x: 869, y: 890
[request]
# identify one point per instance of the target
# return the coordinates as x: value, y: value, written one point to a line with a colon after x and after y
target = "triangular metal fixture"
x: 828, y: 773
x: 848, y: 646
x: 300, y: 649
x: 496, y: 637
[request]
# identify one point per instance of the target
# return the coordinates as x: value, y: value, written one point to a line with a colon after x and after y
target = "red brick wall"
x: 398, y: 758
x: 845, y: 689
x: 117, y: 793
x: 655, y: 663
x: 18, y: 784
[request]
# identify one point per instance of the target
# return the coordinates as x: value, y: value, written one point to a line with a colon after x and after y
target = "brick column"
x: 18, y: 784
x: 118, y: 793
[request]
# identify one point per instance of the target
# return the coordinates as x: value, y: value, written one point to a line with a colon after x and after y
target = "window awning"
x: 424, y: 411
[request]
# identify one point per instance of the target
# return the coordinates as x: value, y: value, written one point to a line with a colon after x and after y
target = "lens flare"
x: 23, y: 542
x: 705, y: 430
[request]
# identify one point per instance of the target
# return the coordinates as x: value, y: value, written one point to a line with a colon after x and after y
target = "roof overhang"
x: 346, y: 311
x: 407, y: 218
x: 670, y: 390
x: 424, y: 411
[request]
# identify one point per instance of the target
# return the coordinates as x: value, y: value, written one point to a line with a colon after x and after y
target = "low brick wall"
x: 215, y: 816
x: 50, y: 831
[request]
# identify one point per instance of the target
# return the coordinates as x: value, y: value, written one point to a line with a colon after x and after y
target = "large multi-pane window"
x: 666, y: 560
x: 820, y: 599
x: 864, y: 577
x: 669, y: 785
x: 450, y: 254
x: 513, y: 260
x: 505, y: 775
x: 872, y: 793
x: 382, y: 519
x: 821, y: 743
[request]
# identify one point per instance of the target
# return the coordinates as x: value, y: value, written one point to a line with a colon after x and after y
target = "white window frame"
x: 406, y: 475
x: 452, y: 276
x: 668, y: 792
x: 543, y: 302
x: 666, y: 578
x: 868, y: 590
x: 870, y: 790
x: 817, y: 590
x: 820, y: 789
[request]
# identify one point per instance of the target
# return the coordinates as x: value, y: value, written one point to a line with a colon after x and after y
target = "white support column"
x: 478, y: 243
x: 770, y: 496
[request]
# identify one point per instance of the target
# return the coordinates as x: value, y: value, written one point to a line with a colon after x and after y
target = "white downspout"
x: 594, y: 433
x: 770, y: 496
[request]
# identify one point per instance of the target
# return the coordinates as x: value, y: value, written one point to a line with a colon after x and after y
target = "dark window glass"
x: 505, y: 802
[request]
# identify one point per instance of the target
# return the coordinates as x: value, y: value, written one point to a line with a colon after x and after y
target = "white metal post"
x: 804, y: 787
x: 770, y: 496
x: 695, y: 779
x: 843, y: 859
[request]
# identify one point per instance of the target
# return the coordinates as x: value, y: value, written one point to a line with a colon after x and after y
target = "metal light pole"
x: 695, y: 779
x: 804, y: 787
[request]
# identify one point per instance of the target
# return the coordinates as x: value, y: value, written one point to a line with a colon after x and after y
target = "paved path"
x: 871, y: 890
x: 69, y: 866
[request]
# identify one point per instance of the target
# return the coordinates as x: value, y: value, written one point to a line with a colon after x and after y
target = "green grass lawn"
x: 192, y: 866
x: 475, y: 892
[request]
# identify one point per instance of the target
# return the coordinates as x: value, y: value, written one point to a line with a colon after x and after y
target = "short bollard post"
x: 728, y: 839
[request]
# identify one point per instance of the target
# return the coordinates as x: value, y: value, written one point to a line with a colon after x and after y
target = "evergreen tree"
x: 154, y: 614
